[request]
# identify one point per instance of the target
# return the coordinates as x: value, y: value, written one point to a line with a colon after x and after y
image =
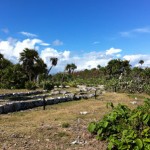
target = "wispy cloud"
x: 28, y: 34
x: 142, y: 30
x: 95, y: 42
x: 5, y: 30
x: 113, y: 51
x: 45, y: 44
x: 132, y: 32
x: 57, y: 43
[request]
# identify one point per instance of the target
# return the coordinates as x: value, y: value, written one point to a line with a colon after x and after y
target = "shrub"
x: 30, y: 85
x: 147, y: 89
x: 124, y: 128
x: 47, y: 85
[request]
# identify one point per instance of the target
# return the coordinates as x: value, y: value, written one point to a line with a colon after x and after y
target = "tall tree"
x: 4, y: 63
x: 39, y: 68
x: 117, y: 66
x: 141, y: 62
x: 53, y: 61
x: 70, y: 68
x: 73, y: 67
x: 99, y: 67
x: 28, y: 58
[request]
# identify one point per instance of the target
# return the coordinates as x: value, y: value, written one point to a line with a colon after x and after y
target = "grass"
x: 46, y: 129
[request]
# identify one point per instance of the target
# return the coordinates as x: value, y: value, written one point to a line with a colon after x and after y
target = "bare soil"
x: 61, y: 126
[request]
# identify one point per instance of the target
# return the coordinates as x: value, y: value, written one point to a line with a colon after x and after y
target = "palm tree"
x: 73, y: 67
x: 141, y: 62
x: 70, y: 68
x: 39, y: 68
x: 28, y: 58
x: 54, y: 61
x: 99, y: 67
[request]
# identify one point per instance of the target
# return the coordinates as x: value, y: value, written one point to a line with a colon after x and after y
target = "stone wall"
x: 23, y: 105
x: 83, y: 93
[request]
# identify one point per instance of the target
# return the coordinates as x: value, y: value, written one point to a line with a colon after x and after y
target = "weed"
x: 65, y: 125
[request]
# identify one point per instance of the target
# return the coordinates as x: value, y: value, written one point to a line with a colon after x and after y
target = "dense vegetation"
x: 31, y: 72
x: 124, y: 128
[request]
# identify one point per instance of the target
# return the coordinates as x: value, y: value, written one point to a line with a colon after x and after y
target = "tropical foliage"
x: 16, y: 75
x: 124, y: 128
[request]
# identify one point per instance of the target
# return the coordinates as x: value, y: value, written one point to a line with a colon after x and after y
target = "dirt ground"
x: 60, y: 127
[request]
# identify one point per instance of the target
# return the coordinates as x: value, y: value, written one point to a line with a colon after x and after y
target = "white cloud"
x: 6, y: 48
x: 134, y: 59
x: 112, y: 51
x: 57, y: 43
x: 28, y: 34
x: 45, y: 44
x: 11, y: 48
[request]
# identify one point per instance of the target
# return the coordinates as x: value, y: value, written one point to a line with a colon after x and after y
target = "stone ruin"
x: 82, y: 92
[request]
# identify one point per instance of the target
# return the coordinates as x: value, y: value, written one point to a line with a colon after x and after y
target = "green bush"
x: 47, y: 85
x: 147, y: 89
x: 125, y: 129
x: 30, y: 85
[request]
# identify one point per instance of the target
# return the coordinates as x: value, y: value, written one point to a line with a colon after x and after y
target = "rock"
x: 90, y: 95
x: 67, y: 86
x: 101, y: 87
x: 47, y: 140
x: 133, y: 102
x: 55, y: 92
x: 83, y: 112
x: 63, y: 92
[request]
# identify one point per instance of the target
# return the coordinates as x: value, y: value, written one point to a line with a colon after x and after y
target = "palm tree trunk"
x: 49, y: 69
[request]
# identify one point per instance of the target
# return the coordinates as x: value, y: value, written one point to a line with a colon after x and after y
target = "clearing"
x: 60, y: 127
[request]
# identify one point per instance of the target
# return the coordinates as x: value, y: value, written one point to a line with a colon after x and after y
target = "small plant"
x: 65, y: 125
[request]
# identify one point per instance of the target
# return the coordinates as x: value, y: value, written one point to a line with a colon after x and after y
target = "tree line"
x: 32, y: 71
x: 30, y: 68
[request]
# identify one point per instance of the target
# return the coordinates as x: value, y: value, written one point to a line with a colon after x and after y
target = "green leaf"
x: 139, y: 143
x: 146, y: 140
x: 145, y: 116
x: 92, y: 127
x: 110, y: 145
x: 100, y: 131
x: 105, y: 124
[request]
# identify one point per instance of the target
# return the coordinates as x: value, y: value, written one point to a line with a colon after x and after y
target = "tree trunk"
x: 49, y: 70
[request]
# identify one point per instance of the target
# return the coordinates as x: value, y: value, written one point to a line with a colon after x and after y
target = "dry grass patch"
x: 43, y: 129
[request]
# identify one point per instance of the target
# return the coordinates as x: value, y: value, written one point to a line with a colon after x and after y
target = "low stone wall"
x: 23, y: 105
x: 2, y: 96
x: 28, y: 104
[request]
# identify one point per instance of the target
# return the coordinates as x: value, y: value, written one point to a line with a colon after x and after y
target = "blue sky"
x: 85, y: 32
